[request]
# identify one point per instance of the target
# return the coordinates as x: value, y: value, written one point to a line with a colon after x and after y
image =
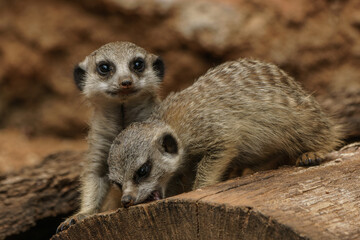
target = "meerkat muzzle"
x: 126, y: 84
x: 127, y: 201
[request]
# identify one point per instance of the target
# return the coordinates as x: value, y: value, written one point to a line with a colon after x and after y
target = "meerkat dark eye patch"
x: 142, y: 172
x: 138, y: 65
x: 104, y: 68
x: 159, y: 68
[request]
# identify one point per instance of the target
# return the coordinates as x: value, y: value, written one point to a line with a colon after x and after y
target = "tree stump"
x: 321, y: 202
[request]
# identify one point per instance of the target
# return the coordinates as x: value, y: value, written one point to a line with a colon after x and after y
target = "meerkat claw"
x: 69, y: 222
x: 309, y: 159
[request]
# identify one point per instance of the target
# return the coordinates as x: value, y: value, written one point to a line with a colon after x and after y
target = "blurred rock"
x: 40, y: 42
x: 213, y: 26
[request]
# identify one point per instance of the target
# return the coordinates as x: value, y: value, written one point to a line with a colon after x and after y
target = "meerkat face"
x: 142, y: 160
x: 119, y: 71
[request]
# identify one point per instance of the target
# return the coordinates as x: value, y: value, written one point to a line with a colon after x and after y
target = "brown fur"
x: 243, y: 113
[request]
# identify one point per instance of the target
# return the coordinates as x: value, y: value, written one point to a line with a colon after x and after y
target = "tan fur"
x: 112, y: 199
x: 243, y: 113
x: 113, y: 110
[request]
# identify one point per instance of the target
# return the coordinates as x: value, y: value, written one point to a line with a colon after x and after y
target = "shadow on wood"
x: 321, y: 202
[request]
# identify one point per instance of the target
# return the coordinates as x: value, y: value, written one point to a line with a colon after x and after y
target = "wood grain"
x: 321, y: 202
x: 46, y: 190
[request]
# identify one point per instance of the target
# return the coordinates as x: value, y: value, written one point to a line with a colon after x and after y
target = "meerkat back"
x: 244, y: 113
x: 254, y: 105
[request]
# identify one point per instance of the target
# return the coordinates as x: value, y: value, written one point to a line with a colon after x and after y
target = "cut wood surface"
x: 46, y: 190
x: 321, y: 202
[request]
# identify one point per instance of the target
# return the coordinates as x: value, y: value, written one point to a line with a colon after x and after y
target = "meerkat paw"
x: 309, y: 159
x: 71, y: 221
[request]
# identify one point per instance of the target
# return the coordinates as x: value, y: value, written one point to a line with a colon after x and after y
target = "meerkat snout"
x: 126, y: 84
x: 127, y: 201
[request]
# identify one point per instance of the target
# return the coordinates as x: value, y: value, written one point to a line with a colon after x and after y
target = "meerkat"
x: 121, y: 81
x: 243, y: 113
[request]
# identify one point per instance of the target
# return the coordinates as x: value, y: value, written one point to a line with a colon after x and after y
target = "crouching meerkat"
x: 242, y: 113
x: 120, y: 81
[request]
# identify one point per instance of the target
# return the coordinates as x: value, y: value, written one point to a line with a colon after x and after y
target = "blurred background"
x: 42, y: 112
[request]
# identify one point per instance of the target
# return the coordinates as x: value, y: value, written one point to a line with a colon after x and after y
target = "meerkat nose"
x: 127, y: 201
x: 126, y: 84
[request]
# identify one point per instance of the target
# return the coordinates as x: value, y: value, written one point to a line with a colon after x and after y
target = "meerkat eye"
x: 104, y: 68
x: 138, y: 65
x: 142, y: 172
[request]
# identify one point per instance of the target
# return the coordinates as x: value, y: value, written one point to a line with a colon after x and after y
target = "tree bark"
x: 46, y: 190
x: 321, y: 202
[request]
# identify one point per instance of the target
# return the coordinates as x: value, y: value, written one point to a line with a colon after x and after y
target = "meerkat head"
x: 142, y: 160
x: 119, y: 71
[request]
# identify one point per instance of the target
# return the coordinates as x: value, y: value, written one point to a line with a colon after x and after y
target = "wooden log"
x: 46, y: 190
x: 321, y: 202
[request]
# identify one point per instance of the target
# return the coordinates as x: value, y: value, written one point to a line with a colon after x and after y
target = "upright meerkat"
x: 120, y: 81
x: 243, y: 113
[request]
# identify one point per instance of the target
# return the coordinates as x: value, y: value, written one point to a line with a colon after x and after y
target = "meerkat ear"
x: 169, y: 143
x: 159, y: 68
x: 79, y: 75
